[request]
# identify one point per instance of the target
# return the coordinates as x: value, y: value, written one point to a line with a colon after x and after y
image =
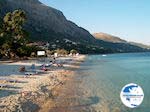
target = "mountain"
x: 45, y: 23
x: 48, y: 24
x: 114, y: 39
x: 140, y: 45
x: 109, y: 38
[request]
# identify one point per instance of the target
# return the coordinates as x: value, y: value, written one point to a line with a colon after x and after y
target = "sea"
x: 102, y: 78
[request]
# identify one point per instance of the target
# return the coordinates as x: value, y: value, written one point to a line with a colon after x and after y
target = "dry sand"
x: 28, y: 94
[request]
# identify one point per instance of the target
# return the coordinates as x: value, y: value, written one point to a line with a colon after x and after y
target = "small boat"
x: 104, y: 55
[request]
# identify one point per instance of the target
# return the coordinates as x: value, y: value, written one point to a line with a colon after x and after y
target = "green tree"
x: 73, y: 51
x: 13, y: 37
x: 1, y: 32
x: 13, y: 24
x: 12, y: 32
x: 61, y: 52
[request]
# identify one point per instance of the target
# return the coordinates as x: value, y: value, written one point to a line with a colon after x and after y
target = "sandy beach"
x: 23, y: 93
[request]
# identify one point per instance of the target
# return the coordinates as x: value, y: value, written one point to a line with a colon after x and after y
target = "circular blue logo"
x: 132, y: 95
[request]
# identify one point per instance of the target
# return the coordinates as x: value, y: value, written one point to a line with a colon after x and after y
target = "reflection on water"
x: 106, y: 76
x: 97, y: 84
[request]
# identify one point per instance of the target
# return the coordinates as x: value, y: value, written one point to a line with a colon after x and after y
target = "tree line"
x: 14, y: 38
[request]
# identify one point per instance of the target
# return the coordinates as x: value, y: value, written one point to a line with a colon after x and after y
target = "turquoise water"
x: 104, y: 77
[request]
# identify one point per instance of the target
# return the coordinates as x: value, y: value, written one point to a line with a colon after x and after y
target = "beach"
x: 33, y: 93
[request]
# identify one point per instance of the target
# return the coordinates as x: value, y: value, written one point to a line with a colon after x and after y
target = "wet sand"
x: 72, y: 97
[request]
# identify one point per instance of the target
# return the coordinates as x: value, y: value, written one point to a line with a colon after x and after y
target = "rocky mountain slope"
x: 47, y: 24
x: 114, y: 39
x: 109, y: 38
x: 140, y: 45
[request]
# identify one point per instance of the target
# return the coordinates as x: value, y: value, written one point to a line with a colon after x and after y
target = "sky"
x: 128, y: 19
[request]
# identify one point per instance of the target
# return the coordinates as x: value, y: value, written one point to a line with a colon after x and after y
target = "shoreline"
x: 29, y: 94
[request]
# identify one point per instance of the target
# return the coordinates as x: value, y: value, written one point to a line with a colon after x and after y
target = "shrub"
x: 62, y: 52
x: 73, y: 51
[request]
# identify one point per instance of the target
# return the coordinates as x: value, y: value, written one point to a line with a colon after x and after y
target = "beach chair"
x: 44, y: 68
x: 8, y: 80
x: 12, y: 80
x: 30, y: 73
x: 3, y: 85
x: 47, y: 64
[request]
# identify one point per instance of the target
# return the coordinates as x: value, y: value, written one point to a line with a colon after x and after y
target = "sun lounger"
x: 3, y: 85
x: 33, y: 72
x: 9, y: 80
x: 39, y: 71
x: 30, y: 73
x: 44, y: 68
x: 46, y: 65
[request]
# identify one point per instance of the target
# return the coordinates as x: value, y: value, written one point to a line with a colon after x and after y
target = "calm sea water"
x: 104, y: 77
